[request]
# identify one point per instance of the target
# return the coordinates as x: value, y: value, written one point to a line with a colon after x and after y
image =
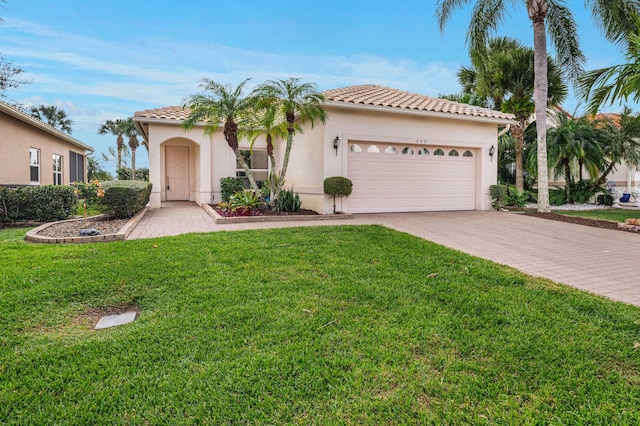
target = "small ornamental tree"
x: 337, y: 186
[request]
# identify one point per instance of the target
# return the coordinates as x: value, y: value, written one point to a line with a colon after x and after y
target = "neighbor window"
x: 57, y: 169
x: 34, y: 163
x: 258, y: 162
x: 76, y: 167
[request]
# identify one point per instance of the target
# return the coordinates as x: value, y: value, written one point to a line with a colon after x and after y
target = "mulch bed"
x: 268, y: 212
x: 596, y: 223
x: 72, y: 228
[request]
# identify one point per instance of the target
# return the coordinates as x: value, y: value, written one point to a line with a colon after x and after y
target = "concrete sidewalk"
x: 597, y: 260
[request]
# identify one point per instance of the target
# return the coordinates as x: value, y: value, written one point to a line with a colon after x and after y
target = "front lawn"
x: 617, y: 215
x: 326, y: 325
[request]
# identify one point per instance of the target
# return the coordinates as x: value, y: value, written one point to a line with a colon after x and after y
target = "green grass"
x: 613, y: 215
x: 326, y: 325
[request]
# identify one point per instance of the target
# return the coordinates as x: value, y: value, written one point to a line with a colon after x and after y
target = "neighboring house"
x: 403, y: 152
x: 34, y: 153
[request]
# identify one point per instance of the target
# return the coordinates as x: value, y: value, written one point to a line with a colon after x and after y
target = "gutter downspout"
x: 505, y: 130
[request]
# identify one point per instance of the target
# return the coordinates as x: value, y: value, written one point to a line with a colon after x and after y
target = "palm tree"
x: 606, y: 85
x: 623, y: 142
x: 574, y: 144
x: 117, y: 128
x: 54, y: 117
x: 293, y: 100
x: 224, y: 105
x: 131, y: 132
x: 614, y: 17
x: 505, y: 77
x: 267, y: 123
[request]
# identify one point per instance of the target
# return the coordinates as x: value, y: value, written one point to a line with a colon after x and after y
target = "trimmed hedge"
x: 124, y: 198
x: 46, y: 203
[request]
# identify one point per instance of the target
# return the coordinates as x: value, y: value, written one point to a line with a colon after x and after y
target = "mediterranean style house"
x: 403, y: 152
x: 34, y: 153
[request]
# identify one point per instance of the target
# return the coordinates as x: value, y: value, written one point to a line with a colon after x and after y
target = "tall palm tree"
x: 131, y: 132
x: 506, y: 78
x: 267, y: 123
x: 615, y: 18
x: 117, y: 128
x: 224, y: 105
x: 294, y: 100
x: 622, y: 143
x: 53, y: 116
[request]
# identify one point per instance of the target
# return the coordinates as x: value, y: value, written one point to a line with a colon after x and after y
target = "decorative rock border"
x: 630, y: 228
x: 33, y: 237
x: 221, y: 220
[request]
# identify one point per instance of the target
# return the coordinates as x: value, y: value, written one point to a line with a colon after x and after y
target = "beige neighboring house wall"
x: 370, y: 117
x: 21, y: 136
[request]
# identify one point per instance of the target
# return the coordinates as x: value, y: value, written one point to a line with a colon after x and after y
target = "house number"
x: 421, y: 141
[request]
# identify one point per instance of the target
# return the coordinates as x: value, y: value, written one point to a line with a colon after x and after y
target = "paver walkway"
x: 601, y: 261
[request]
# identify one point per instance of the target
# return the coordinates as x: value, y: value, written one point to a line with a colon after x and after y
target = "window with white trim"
x: 34, y: 164
x: 258, y: 162
x: 57, y: 169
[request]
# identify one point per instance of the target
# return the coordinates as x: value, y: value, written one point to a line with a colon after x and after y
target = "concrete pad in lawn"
x: 114, y: 320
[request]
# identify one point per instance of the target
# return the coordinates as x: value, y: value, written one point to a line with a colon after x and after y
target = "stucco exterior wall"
x: 313, y: 157
x: 210, y: 159
x: 16, y: 137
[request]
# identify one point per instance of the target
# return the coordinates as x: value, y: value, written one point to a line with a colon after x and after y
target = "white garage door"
x: 396, y: 178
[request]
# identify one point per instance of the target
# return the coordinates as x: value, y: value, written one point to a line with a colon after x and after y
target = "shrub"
x: 230, y: 186
x: 124, y: 173
x: 46, y: 203
x: 288, y: 201
x: 337, y: 186
x: 498, y: 194
x: 89, y: 192
x: 584, y: 190
x: 515, y: 197
x: 557, y: 196
x: 245, y: 199
x: 123, y: 199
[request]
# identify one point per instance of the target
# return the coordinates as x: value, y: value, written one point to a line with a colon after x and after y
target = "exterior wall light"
x: 336, y: 144
x: 492, y: 151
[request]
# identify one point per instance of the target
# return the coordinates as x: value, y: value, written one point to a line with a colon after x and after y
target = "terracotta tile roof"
x: 368, y: 94
x: 609, y: 117
x: 165, y: 113
x: 373, y: 95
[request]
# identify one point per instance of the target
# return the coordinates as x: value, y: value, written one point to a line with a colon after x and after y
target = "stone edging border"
x: 627, y: 227
x: 220, y: 220
x: 33, y: 237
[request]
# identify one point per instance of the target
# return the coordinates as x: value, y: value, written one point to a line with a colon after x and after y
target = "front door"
x: 177, y: 178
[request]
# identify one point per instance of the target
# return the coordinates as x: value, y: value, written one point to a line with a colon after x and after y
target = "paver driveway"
x: 601, y: 261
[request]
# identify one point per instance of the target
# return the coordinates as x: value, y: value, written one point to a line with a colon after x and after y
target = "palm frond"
x: 562, y: 29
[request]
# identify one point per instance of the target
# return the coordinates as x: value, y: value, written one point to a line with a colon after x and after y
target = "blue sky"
x: 102, y: 60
